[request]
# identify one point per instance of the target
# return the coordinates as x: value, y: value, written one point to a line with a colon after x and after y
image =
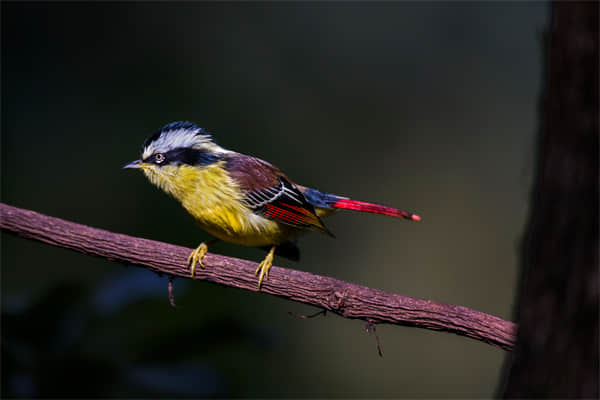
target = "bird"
x: 239, y: 198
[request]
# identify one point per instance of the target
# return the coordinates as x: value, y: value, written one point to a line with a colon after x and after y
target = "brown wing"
x: 251, y: 173
x: 270, y: 193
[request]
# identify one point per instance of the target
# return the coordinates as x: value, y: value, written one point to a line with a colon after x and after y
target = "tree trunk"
x: 557, y: 312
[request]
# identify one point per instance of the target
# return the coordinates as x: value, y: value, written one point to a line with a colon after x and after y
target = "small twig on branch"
x: 171, y: 296
x: 345, y: 299
x: 370, y: 328
x: 321, y: 312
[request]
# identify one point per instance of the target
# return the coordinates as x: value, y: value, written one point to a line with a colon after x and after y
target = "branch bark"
x: 345, y: 299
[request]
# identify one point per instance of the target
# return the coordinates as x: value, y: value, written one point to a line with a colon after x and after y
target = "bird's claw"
x: 264, y: 267
x: 196, y: 258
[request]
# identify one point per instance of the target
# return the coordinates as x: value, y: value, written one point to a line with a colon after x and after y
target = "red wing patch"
x: 286, y: 204
x: 292, y: 214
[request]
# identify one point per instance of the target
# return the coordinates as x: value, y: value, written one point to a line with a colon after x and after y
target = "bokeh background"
x: 429, y: 107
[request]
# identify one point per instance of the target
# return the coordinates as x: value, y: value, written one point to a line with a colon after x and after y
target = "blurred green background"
x: 429, y: 107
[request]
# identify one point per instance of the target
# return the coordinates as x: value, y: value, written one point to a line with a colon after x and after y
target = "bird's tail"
x: 329, y: 201
x: 356, y: 205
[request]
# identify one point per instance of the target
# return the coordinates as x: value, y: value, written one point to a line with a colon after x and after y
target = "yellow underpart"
x: 214, y: 200
x: 324, y: 212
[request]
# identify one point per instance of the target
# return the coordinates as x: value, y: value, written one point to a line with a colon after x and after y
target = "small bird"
x: 238, y: 198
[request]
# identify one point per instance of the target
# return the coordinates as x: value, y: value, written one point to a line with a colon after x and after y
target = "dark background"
x: 428, y: 107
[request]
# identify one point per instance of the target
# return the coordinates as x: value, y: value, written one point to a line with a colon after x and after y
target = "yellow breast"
x: 213, y: 199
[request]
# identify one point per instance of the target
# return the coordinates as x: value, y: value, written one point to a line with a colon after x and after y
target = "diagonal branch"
x: 345, y: 299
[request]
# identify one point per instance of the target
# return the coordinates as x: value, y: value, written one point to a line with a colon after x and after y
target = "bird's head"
x: 175, y: 147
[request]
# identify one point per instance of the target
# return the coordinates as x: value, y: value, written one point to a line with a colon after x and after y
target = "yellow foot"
x: 196, y: 257
x: 264, y: 267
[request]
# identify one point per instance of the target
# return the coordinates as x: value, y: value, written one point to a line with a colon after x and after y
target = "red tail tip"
x: 415, y: 217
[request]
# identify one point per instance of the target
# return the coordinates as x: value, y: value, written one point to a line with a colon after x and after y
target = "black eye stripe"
x: 189, y: 156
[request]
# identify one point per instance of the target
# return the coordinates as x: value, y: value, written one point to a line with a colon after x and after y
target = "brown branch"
x: 345, y: 299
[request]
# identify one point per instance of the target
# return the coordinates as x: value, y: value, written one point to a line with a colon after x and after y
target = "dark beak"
x: 134, y: 164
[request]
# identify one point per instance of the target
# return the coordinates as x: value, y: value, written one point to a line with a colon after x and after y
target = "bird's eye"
x: 159, y: 158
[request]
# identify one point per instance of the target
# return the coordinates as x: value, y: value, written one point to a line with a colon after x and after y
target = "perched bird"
x: 238, y: 198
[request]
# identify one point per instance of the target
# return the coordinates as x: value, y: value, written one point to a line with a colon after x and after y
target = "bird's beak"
x: 134, y: 164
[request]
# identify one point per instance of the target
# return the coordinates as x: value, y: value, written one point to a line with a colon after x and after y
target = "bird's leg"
x: 198, y: 254
x: 264, y: 267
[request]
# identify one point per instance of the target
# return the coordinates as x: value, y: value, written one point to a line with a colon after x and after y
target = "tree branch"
x: 345, y: 299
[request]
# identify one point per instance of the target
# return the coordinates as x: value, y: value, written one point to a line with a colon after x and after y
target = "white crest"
x: 181, y: 137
